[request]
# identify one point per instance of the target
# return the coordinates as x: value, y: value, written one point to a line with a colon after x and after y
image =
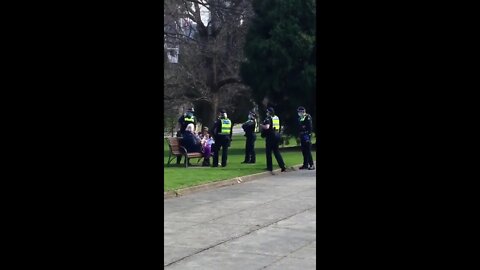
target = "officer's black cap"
x: 223, y: 111
x: 191, y: 109
x: 253, y: 114
x: 271, y: 110
x: 301, y: 108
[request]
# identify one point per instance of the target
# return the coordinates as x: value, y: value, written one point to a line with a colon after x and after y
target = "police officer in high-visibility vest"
x: 249, y: 128
x: 183, y: 121
x: 270, y: 131
x: 222, y: 134
x: 305, y: 134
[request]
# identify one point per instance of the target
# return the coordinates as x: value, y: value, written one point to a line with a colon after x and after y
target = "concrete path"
x: 269, y: 223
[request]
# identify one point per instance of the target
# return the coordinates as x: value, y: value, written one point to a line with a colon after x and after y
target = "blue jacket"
x: 191, y: 143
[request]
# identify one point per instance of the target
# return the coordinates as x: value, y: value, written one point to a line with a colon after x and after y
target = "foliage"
x: 280, y: 62
x: 211, y: 51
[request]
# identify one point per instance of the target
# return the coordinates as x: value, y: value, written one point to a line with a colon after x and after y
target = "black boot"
x: 205, y: 162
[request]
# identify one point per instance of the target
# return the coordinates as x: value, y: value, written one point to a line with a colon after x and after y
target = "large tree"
x: 280, y: 62
x: 210, y: 36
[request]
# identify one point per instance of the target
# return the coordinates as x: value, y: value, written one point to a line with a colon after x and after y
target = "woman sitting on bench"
x: 190, y: 141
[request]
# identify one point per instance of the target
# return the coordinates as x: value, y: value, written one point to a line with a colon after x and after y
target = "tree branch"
x: 227, y: 81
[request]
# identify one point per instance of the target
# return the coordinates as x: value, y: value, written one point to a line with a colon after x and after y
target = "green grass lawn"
x: 177, y: 177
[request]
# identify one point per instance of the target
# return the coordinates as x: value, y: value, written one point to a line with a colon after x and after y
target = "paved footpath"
x: 269, y: 223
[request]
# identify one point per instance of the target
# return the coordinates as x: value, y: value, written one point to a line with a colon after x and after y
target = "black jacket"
x: 183, y: 123
x: 191, y: 143
x: 270, y: 133
x: 249, y: 128
x: 305, y: 126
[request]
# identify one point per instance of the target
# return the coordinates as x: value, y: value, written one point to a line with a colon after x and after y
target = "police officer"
x: 270, y: 131
x: 183, y: 121
x: 249, y: 128
x: 222, y: 134
x: 305, y: 134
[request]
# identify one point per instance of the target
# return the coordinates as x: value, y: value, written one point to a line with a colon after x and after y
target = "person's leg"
x: 215, y: 154
x: 309, y: 154
x: 179, y: 159
x: 245, y: 160
x: 207, y: 151
x: 247, y: 152
x: 278, y: 156
x: 224, y: 153
x: 268, y: 152
x: 252, y: 151
x: 304, y: 153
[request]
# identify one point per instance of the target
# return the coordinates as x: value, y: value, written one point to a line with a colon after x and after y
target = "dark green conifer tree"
x: 280, y: 64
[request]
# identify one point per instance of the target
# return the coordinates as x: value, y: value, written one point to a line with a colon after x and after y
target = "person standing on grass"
x: 249, y: 128
x: 222, y: 135
x: 270, y: 131
x: 305, y: 134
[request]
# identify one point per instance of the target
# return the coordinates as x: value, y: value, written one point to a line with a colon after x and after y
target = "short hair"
x: 189, y: 128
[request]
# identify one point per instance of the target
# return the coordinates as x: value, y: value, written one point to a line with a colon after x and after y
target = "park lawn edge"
x: 221, y: 183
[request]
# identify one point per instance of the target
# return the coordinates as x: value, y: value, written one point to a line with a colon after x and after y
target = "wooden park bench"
x: 176, y: 150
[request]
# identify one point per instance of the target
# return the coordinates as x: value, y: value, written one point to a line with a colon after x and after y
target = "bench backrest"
x: 174, y: 144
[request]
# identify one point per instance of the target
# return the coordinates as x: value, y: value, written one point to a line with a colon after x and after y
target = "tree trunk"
x: 214, y: 108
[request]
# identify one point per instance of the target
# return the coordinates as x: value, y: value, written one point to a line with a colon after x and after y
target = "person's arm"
x: 214, y: 128
x: 309, y: 125
x: 266, y: 124
x: 231, y: 130
x: 179, y: 123
x: 301, y: 127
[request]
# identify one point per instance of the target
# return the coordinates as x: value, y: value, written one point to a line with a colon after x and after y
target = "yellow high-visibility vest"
x: 276, y: 123
x: 226, y: 125
x: 188, y: 119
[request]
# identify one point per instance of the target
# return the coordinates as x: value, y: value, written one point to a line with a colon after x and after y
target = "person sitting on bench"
x: 190, y: 141
x: 207, y: 142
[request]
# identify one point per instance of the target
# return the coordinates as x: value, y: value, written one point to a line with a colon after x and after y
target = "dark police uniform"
x: 222, y: 135
x: 184, y: 121
x: 272, y: 139
x: 305, y: 134
x: 249, y: 128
